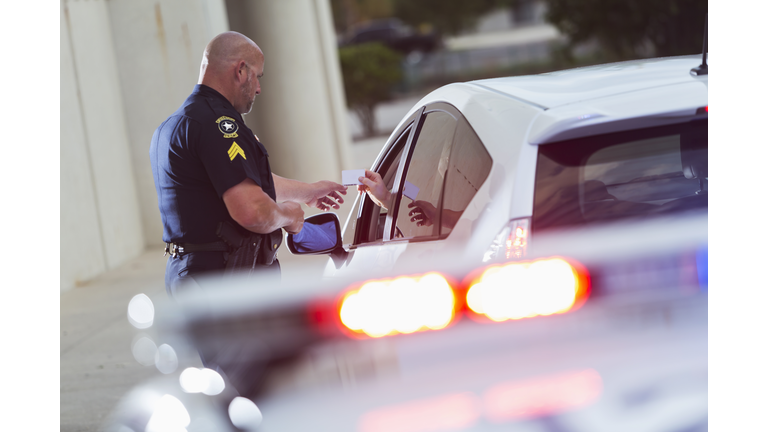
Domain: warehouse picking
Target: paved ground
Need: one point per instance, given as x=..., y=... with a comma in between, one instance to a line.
x=96, y=362
x=97, y=366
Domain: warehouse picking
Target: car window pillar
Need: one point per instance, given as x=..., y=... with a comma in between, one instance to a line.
x=405, y=158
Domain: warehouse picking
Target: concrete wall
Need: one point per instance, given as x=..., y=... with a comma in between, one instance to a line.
x=127, y=64
x=78, y=212
x=159, y=45
x=100, y=225
x=300, y=116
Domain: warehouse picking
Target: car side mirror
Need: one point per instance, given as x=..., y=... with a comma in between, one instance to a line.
x=321, y=234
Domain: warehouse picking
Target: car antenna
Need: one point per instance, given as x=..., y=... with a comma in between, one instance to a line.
x=702, y=68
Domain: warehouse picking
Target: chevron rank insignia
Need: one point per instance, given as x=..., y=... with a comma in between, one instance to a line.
x=234, y=151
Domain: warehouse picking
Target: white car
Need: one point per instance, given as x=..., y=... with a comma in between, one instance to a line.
x=507, y=159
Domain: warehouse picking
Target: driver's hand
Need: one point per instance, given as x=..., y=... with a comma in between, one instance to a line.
x=374, y=186
x=423, y=212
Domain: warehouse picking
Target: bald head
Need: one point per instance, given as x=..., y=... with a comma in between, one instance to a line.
x=232, y=64
x=228, y=48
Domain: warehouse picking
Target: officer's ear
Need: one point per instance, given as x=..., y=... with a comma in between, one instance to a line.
x=241, y=72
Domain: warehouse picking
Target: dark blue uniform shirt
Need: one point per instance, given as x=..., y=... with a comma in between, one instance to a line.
x=199, y=152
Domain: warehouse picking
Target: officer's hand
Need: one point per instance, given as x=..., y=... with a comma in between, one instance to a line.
x=295, y=214
x=325, y=194
x=374, y=185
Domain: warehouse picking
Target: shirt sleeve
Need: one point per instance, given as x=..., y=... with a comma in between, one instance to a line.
x=229, y=158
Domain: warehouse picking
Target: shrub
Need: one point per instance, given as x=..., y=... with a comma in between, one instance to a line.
x=369, y=70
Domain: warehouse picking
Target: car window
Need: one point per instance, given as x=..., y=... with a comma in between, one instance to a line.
x=388, y=176
x=623, y=175
x=368, y=226
x=425, y=176
x=468, y=168
x=445, y=168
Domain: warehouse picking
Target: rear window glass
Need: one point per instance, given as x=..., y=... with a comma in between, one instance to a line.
x=624, y=175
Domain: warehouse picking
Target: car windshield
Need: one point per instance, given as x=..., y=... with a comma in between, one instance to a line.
x=632, y=174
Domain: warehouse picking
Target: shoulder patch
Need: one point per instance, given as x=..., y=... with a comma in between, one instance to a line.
x=227, y=126
x=234, y=151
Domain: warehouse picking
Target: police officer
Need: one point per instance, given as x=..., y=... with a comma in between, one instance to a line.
x=214, y=185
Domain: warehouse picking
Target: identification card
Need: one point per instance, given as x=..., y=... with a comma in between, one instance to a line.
x=350, y=177
x=410, y=190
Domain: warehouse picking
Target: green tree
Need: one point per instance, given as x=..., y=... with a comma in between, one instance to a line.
x=627, y=29
x=347, y=13
x=369, y=72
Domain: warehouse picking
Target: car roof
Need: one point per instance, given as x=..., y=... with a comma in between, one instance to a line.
x=554, y=89
x=580, y=102
x=574, y=103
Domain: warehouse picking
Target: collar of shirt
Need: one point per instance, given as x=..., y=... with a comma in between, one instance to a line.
x=207, y=92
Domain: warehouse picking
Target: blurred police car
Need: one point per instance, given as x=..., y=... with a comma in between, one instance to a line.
x=605, y=331
x=492, y=164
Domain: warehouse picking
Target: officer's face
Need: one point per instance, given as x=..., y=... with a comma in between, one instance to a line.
x=251, y=87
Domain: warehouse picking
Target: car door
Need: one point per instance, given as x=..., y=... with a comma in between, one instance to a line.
x=433, y=168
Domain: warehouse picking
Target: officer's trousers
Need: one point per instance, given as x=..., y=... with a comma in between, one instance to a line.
x=234, y=360
x=181, y=268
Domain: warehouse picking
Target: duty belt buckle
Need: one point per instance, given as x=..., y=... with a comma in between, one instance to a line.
x=174, y=249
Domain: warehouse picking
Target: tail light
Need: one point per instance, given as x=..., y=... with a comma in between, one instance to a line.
x=510, y=243
x=400, y=305
x=527, y=289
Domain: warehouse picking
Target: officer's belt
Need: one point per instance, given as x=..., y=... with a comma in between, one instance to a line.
x=181, y=249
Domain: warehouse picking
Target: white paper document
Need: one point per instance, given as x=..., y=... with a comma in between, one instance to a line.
x=350, y=177
x=410, y=190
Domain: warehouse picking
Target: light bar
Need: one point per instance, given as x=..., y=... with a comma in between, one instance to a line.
x=402, y=305
x=528, y=289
